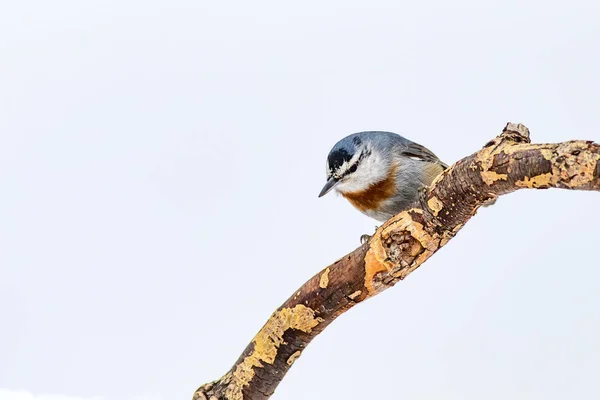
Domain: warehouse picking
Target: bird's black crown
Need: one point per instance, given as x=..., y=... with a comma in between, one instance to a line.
x=337, y=157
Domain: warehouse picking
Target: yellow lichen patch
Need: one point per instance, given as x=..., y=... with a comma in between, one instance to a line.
x=416, y=229
x=267, y=342
x=489, y=177
x=293, y=357
x=547, y=153
x=486, y=159
x=324, y=279
x=542, y=180
x=435, y=205
x=377, y=261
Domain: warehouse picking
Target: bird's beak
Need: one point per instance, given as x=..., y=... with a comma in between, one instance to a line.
x=331, y=183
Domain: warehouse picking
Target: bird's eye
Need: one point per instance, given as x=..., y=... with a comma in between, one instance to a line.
x=353, y=168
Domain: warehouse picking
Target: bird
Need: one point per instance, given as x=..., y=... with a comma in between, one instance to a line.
x=380, y=173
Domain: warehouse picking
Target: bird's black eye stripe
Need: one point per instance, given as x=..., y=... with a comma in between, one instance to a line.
x=364, y=154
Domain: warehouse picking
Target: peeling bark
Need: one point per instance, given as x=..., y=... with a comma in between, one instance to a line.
x=506, y=164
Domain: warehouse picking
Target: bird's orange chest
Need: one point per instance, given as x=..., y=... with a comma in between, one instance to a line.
x=372, y=197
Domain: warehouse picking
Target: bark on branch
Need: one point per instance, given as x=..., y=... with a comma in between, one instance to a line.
x=506, y=164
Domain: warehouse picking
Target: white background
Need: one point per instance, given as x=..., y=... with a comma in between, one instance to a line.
x=159, y=170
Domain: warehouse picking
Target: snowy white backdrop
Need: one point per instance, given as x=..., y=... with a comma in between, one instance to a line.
x=151, y=152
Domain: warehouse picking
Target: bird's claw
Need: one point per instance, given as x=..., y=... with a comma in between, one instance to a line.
x=489, y=202
x=364, y=238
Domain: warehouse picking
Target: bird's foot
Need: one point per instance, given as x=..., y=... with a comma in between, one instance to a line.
x=489, y=202
x=365, y=238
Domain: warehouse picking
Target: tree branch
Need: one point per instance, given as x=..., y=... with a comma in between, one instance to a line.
x=506, y=164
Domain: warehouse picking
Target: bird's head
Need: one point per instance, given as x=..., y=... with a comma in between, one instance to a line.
x=356, y=162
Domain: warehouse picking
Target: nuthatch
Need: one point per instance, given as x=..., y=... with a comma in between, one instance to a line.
x=380, y=173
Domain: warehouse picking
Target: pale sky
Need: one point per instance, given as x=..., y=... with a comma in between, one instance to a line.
x=160, y=164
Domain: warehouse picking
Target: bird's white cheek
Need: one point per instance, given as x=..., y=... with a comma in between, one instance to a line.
x=352, y=184
x=370, y=172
